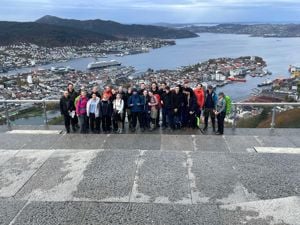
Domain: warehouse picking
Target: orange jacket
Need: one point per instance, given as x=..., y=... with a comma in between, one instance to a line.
x=199, y=93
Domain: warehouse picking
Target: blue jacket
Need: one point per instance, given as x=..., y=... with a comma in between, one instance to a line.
x=210, y=103
x=135, y=103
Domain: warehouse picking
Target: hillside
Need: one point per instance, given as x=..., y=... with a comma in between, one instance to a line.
x=257, y=30
x=112, y=28
x=47, y=35
x=287, y=119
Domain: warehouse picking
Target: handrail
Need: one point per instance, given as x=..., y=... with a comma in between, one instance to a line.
x=267, y=103
x=28, y=101
x=234, y=104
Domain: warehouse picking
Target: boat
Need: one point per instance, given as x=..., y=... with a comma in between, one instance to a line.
x=231, y=78
x=120, y=55
x=103, y=64
x=267, y=82
x=61, y=69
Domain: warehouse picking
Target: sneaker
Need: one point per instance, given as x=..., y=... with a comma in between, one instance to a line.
x=218, y=133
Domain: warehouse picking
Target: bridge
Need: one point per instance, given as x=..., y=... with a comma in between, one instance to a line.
x=247, y=176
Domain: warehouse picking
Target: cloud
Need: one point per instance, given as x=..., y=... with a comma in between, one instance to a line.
x=152, y=10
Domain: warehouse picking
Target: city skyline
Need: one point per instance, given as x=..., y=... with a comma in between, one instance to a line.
x=155, y=11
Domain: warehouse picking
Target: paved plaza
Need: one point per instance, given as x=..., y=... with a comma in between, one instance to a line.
x=251, y=176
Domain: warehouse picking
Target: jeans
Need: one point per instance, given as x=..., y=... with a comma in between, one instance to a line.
x=83, y=123
x=134, y=117
x=94, y=123
x=221, y=118
x=106, y=123
x=67, y=120
x=207, y=113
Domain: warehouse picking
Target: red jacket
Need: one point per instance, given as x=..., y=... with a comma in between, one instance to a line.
x=199, y=93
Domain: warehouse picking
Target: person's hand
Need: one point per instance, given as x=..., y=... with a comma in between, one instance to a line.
x=191, y=112
x=175, y=110
x=131, y=105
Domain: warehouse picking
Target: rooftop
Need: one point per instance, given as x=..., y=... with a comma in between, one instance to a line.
x=250, y=176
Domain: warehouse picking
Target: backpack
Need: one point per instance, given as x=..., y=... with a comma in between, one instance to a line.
x=159, y=100
x=228, y=104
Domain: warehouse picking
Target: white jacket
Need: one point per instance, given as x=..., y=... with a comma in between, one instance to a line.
x=97, y=108
x=118, y=105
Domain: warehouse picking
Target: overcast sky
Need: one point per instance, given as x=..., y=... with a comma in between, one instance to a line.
x=153, y=11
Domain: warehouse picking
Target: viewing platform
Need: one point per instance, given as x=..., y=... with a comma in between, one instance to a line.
x=249, y=176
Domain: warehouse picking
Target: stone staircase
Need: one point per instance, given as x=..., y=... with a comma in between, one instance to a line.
x=250, y=176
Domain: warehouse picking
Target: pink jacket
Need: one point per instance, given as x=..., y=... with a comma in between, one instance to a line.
x=81, y=106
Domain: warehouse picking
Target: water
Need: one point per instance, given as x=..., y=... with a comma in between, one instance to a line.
x=36, y=120
x=279, y=53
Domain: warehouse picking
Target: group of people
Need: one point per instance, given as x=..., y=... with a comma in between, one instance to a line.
x=179, y=107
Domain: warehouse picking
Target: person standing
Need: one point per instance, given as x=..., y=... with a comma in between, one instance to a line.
x=126, y=97
x=168, y=109
x=178, y=102
x=145, y=114
x=156, y=92
x=211, y=100
x=220, y=112
x=73, y=95
x=106, y=110
x=153, y=105
x=93, y=107
x=200, y=97
x=118, y=106
x=66, y=109
x=135, y=105
x=81, y=112
x=94, y=91
x=191, y=108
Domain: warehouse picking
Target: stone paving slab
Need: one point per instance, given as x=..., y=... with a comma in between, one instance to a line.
x=274, y=141
x=6, y=155
x=210, y=144
x=177, y=143
x=243, y=144
x=295, y=140
x=41, y=141
x=108, y=177
x=58, y=178
x=137, y=214
x=9, y=209
x=269, y=176
x=52, y=213
x=80, y=141
x=13, y=141
x=15, y=172
x=162, y=178
x=215, y=180
x=129, y=141
x=281, y=211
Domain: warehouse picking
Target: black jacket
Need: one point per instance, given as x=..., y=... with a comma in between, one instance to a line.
x=65, y=105
x=73, y=95
x=106, y=108
x=192, y=104
x=178, y=100
x=167, y=99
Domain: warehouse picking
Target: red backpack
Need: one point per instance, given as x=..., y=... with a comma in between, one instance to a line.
x=159, y=100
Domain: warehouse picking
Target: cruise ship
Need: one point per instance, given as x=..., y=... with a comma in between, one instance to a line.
x=103, y=64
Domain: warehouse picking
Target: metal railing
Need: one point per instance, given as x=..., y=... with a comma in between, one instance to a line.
x=270, y=104
x=43, y=102
x=234, y=110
